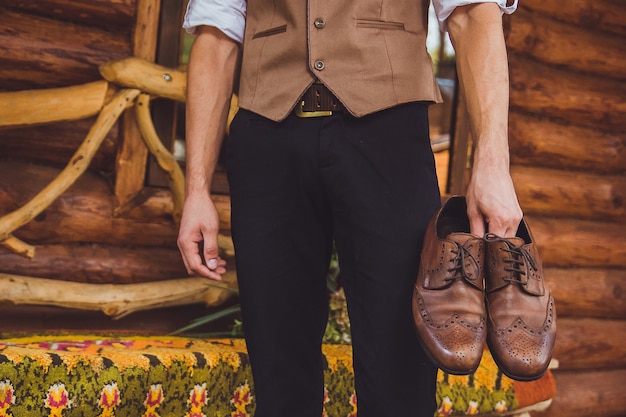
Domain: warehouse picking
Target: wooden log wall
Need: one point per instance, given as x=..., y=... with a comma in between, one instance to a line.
x=59, y=43
x=90, y=234
x=568, y=156
x=568, y=160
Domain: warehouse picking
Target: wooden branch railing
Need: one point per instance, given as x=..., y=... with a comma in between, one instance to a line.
x=129, y=83
x=44, y=106
x=32, y=107
x=74, y=169
x=114, y=300
x=165, y=159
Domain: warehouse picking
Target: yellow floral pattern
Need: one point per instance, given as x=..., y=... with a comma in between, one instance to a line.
x=130, y=376
x=7, y=397
x=109, y=399
x=57, y=400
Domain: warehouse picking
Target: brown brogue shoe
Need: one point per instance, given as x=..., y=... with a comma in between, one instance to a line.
x=522, y=316
x=448, y=300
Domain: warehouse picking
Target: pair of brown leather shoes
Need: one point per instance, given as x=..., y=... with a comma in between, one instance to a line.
x=473, y=291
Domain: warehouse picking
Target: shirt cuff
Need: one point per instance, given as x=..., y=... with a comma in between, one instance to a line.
x=444, y=8
x=227, y=16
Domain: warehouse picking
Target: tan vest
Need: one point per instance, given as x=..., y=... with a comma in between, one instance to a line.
x=370, y=53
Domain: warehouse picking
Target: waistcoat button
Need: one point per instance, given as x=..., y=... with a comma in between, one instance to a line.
x=319, y=65
x=319, y=23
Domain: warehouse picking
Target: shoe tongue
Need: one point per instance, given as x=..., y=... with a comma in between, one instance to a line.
x=460, y=238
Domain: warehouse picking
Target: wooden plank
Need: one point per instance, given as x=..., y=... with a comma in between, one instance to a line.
x=166, y=112
x=539, y=141
x=584, y=195
x=165, y=159
x=460, y=148
x=590, y=343
x=108, y=14
x=130, y=163
x=133, y=154
x=49, y=53
x=85, y=212
x=19, y=143
x=146, y=29
x=599, y=15
x=588, y=292
x=155, y=203
x=579, y=243
x=574, y=47
x=97, y=263
x=578, y=99
x=588, y=393
x=73, y=170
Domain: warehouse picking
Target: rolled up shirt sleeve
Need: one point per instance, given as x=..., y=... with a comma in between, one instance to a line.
x=444, y=8
x=229, y=16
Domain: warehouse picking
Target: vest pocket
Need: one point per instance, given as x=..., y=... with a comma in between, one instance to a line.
x=269, y=32
x=379, y=24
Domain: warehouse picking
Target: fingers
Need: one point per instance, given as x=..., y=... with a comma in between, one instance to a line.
x=477, y=223
x=505, y=221
x=197, y=238
x=502, y=223
x=501, y=217
x=200, y=255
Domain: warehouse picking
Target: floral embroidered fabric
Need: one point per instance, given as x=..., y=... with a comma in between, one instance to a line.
x=132, y=376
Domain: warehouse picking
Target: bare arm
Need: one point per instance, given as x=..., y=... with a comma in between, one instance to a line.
x=211, y=72
x=476, y=32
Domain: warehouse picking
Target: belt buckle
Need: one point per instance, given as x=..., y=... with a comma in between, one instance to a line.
x=305, y=114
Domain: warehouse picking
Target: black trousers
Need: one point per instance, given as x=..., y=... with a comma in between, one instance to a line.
x=370, y=185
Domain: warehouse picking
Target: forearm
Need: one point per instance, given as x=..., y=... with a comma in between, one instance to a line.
x=476, y=31
x=211, y=72
x=482, y=66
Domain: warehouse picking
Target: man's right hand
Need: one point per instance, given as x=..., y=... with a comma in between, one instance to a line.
x=197, y=238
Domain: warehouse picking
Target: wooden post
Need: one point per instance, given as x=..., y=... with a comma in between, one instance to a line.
x=133, y=154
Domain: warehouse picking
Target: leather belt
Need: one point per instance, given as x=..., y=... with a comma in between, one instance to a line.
x=318, y=101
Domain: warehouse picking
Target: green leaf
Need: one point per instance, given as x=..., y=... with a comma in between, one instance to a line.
x=209, y=318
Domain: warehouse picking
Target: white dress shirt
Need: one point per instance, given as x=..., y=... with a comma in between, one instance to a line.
x=229, y=16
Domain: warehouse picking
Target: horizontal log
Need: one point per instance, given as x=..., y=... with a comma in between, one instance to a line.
x=588, y=393
x=590, y=343
x=115, y=300
x=574, y=47
x=52, y=104
x=157, y=204
x=108, y=14
x=97, y=263
x=555, y=192
x=73, y=170
x=48, y=53
x=86, y=211
x=84, y=214
x=539, y=141
x=600, y=15
x=146, y=76
x=55, y=144
x=588, y=292
x=105, y=264
x=579, y=243
x=581, y=100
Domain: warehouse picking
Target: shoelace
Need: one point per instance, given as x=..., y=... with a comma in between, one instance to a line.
x=461, y=255
x=518, y=256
